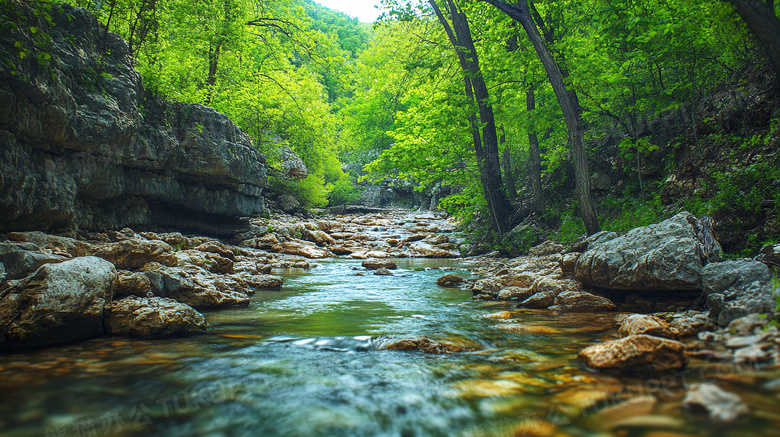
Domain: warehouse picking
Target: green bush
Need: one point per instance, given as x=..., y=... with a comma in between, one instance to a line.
x=343, y=191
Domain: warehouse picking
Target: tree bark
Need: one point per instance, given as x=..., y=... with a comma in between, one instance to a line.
x=486, y=141
x=763, y=23
x=509, y=173
x=535, y=161
x=521, y=13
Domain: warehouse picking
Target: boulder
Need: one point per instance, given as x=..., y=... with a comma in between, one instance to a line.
x=132, y=254
x=374, y=264
x=755, y=298
x=300, y=248
x=719, y=277
x=219, y=248
x=194, y=286
x=288, y=203
x=643, y=324
x=540, y=300
x=546, y=248
x=206, y=260
x=153, y=318
x=718, y=404
x=320, y=238
x=131, y=284
x=568, y=262
x=582, y=302
x=515, y=293
x=770, y=255
x=663, y=256
x=519, y=279
x=58, y=303
x=486, y=286
x=54, y=243
x=636, y=354
x=383, y=272
x=293, y=166
x=19, y=260
x=449, y=280
x=425, y=345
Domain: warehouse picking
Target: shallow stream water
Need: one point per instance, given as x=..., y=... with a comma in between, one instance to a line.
x=308, y=361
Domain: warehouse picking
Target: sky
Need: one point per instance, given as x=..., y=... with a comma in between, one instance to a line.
x=363, y=10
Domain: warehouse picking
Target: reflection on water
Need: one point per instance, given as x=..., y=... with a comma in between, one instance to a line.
x=309, y=361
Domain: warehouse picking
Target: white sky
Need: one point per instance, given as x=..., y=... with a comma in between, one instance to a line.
x=363, y=10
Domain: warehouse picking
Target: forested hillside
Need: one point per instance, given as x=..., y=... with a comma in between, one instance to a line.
x=575, y=116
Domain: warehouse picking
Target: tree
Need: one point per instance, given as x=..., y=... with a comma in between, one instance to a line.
x=763, y=23
x=521, y=12
x=476, y=90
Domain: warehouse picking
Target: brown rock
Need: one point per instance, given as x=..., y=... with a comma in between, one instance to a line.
x=582, y=302
x=374, y=264
x=540, y=300
x=133, y=253
x=54, y=243
x=153, y=318
x=413, y=238
x=522, y=279
x=638, y=324
x=218, y=248
x=546, y=248
x=425, y=345
x=637, y=353
x=212, y=262
x=131, y=284
x=515, y=293
x=300, y=248
x=569, y=261
x=449, y=280
x=341, y=250
x=320, y=238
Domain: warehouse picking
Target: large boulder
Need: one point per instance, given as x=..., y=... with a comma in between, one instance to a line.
x=134, y=253
x=770, y=255
x=719, y=277
x=153, y=318
x=131, y=284
x=19, y=260
x=664, y=256
x=737, y=288
x=58, y=303
x=195, y=287
x=636, y=354
x=644, y=324
x=54, y=243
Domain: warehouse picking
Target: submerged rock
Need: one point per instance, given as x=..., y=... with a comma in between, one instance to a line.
x=425, y=345
x=153, y=318
x=375, y=264
x=449, y=280
x=636, y=354
x=663, y=256
x=718, y=404
x=58, y=303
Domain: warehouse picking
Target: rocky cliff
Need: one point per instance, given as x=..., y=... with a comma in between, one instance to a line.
x=84, y=146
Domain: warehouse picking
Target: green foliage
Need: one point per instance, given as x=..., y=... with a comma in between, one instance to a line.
x=629, y=212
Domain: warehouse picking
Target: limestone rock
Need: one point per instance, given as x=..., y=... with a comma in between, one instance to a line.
x=719, y=277
x=663, y=256
x=449, y=280
x=770, y=255
x=718, y=404
x=540, y=300
x=515, y=293
x=546, y=248
x=756, y=298
x=374, y=264
x=195, y=287
x=320, y=238
x=133, y=254
x=636, y=354
x=21, y=260
x=300, y=248
x=639, y=324
x=218, y=248
x=486, y=286
x=292, y=165
x=59, y=303
x=56, y=244
x=569, y=261
x=131, y=284
x=153, y=318
x=212, y=262
x=582, y=302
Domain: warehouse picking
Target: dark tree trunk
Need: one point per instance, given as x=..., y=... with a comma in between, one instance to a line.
x=509, y=174
x=486, y=141
x=520, y=12
x=535, y=161
x=763, y=23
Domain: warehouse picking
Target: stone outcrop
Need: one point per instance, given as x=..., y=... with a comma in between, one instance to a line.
x=664, y=256
x=153, y=318
x=84, y=145
x=58, y=303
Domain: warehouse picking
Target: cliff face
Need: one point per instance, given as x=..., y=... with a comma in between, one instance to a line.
x=84, y=146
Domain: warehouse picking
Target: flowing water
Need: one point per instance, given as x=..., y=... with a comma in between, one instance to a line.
x=309, y=361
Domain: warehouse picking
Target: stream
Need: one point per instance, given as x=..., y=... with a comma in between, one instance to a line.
x=309, y=361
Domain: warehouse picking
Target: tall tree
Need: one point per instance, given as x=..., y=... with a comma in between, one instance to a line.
x=520, y=11
x=763, y=23
x=486, y=141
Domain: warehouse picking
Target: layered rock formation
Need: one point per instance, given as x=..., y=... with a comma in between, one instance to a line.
x=84, y=145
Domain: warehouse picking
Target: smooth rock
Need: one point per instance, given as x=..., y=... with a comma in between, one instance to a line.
x=718, y=404
x=719, y=277
x=383, y=272
x=540, y=300
x=639, y=324
x=582, y=302
x=664, y=256
x=59, y=303
x=153, y=318
x=374, y=264
x=636, y=354
x=449, y=280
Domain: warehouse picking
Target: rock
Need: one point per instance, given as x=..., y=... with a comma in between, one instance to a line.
x=413, y=238
x=374, y=264
x=540, y=300
x=569, y=261
x=133, y=254
x=383, y=272
x=593, y=240
x=193, y=286
x=719, y=277
x=745, y=326
x=58, y=303
x=449, y=280
x=521, y=279
x=300, y=248
x=770, y=255
x=546, y=248
x=740, y=342
x=293, y=166
x=718, y=404
x=131, y=284
x=3, y=274
x=736, y=302
x=425, y=345
x=528, y=329
x=206, y=260
x=498, y=315
x=218, y=248
x=18, y=261
x=176, y=240
x=754, y=353
x=664, y=256
x=582, y=302
x=636, y=354
x=689, y=323
x=515, y=293
x=643, y=324
x=288, y=203
x=104, y=157
x=486, y=286
x=153, y=318
x=61, y=245
x=320, y=238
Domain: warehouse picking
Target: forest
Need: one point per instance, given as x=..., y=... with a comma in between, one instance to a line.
x=576, y=116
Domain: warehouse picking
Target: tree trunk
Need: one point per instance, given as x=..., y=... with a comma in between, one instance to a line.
x=763, y=23
x=571, y=111
x=486, y=142
x=509, y=173
x=535, y=161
